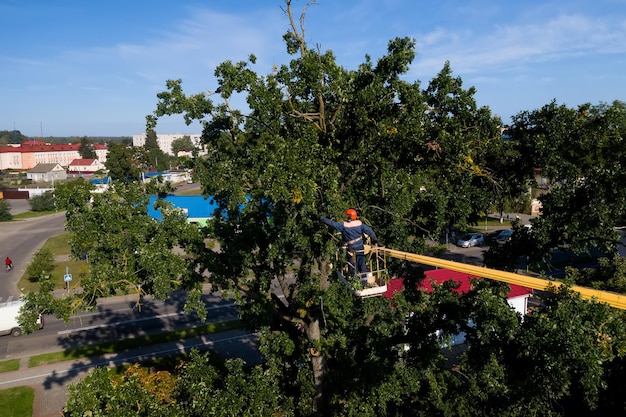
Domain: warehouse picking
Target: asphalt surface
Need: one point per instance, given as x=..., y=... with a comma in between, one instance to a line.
x=20, y=240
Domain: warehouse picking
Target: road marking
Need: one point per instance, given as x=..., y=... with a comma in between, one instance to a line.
x=119, y=323
x=9, y=299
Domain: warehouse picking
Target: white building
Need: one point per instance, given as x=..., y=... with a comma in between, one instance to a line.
x=165, y=140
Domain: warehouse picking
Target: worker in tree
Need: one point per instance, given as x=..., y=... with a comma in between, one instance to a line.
x=352, y=232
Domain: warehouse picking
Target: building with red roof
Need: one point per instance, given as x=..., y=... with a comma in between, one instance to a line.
x=85, y=166
x=517, y=296
x=27, y=155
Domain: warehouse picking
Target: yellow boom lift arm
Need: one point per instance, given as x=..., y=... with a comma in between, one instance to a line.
x=613, y=299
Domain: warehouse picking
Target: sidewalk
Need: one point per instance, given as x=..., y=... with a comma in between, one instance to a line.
x=50, y=381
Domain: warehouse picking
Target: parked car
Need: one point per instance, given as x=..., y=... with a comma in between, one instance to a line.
x=471, y=239
x=500, y=236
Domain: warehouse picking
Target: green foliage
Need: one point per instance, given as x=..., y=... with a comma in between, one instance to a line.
x=580, y=151
x=151, y=142
x=42, y=303
x=202, y=387
x=5, y=211
x=320, y=138
x=134, y=252
x=157, y=186
x=124, y=163
x=12, y=136
x=136, y=393
x=561, y=355
x=183, y=144
x=154, y=157
x=41, y=265
x=43, y=202
x=86, y=149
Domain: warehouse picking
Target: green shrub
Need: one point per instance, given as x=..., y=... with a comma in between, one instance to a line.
x=5, y=211
x=42, y=264
x=43, y=202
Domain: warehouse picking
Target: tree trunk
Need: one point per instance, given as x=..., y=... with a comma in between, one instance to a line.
x=318, y=363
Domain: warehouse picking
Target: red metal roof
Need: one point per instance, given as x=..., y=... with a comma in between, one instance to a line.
x=82, y=161
x=43, y=147
x=439, y=276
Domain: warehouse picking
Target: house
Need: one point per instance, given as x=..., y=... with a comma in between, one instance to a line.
x=46, y=173
x=85, y=166
x=517, y=298
x=198, y=209
x=164, y=140
x=101, y=184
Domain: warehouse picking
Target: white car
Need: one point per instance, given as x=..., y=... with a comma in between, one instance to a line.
x=471, y=239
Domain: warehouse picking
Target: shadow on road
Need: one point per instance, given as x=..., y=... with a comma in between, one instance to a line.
x=113, y=323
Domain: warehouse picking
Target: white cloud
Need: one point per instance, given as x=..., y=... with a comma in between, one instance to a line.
x=508, y=46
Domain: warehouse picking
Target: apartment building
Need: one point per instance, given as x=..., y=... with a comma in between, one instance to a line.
x=164, y=140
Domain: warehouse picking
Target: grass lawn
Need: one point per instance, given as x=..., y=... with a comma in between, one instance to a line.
x=58, y=246
x=194, y=191
x=10, y=365
x=31, y=214
x=17, y=402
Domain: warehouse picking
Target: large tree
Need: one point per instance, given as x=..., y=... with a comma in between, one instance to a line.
x=154, y=157
x=133, y=253
x=581, y=152
x=183, y=144
x=125, y=163
x=86, y=149
x=319, y=138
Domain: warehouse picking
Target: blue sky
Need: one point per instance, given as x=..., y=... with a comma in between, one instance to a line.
x=93, y=68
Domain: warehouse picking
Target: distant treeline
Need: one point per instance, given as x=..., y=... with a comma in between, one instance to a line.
x=15, y=136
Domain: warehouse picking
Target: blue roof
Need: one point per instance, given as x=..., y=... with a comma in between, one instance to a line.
x=154, y=174
x=197, y=206
x=97, y=181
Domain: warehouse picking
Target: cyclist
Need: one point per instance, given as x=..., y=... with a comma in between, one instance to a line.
x=8, y=263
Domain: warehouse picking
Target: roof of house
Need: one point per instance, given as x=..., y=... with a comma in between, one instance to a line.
x=43, y=168
x=35, y=146
x=197, y=206
x=83, y=161
x=439, y=276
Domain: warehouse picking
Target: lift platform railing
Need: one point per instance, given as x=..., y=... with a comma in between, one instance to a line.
x=613, y=299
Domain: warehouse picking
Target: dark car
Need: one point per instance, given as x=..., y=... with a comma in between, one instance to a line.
x=499, y=236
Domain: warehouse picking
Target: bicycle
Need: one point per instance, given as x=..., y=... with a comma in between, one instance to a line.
x=9, y=267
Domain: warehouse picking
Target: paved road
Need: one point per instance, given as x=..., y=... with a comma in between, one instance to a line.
x=20, y=240
x=114, y=319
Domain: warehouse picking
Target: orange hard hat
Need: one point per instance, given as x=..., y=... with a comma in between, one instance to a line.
x=351, y=214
